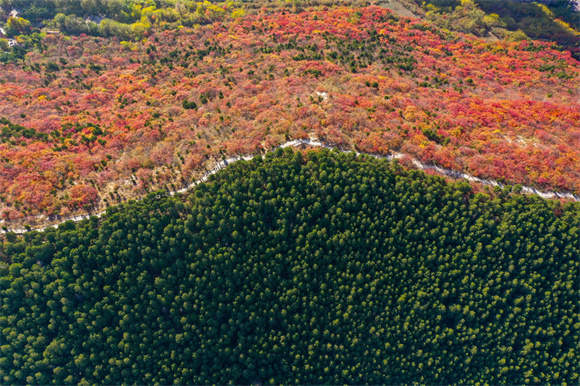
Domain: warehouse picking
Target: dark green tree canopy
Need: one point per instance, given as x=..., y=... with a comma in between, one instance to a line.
x=299, y=268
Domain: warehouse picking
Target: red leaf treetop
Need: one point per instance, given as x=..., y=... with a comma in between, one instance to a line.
x=89, y=121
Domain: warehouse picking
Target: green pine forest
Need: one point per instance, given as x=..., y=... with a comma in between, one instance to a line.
x=300, y=267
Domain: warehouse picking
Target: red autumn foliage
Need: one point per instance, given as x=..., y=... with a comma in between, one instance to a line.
x=112, y=122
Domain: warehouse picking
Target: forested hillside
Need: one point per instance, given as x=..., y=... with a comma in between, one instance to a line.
x=88, y=121
x=556, y=20
x=299, y=268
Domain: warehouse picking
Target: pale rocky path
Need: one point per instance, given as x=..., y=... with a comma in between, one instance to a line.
x=314, y=143
x=398, y=7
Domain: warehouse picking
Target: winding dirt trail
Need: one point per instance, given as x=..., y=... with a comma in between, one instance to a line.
x=317, y=143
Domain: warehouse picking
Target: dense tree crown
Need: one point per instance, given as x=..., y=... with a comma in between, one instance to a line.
x=299, y=268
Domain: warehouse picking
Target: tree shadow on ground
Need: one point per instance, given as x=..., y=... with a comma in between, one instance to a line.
x=536, y=22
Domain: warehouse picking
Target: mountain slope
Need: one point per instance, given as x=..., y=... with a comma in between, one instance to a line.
x=316, y=268
x=90, y=121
